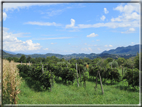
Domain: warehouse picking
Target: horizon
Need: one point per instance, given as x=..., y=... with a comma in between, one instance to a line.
x=67, y=28
x=68, y=54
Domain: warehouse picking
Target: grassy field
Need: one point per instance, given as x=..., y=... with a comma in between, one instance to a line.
x=71, y=94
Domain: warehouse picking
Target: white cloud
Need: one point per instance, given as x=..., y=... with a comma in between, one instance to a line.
x=11, y=43
x=4, y=16
x=53, y=12
x=52, y=38
x=127, y=18
x=131, y=30
x=46, y=49
x=86, y=49
x=99, y=49
x=92, y=35
x=12, y=6
x=72, y=24
x=97, y=40
x=109, y=24
x=128, y=8
x=106, y=11
x=43, y=23
x=90, y=49
x=129, y=12
x=132, y=42
x=108, y=46
x=53, y=43
x=103, y=18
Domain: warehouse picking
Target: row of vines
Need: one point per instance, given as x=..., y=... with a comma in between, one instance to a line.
x=46, y=74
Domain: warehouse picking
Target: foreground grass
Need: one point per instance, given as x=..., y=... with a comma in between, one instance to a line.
x=71, y=94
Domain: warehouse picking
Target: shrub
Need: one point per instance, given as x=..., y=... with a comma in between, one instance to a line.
x=114, y=64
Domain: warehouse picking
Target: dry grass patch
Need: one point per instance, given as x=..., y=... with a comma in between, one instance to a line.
x=11, y=82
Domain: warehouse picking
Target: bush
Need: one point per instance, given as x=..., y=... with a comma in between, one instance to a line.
x=132, y=77
x=114, y=64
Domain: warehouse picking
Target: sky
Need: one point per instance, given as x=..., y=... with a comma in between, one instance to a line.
x=67, y=28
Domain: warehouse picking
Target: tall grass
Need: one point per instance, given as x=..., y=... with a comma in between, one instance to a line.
x=11, y=82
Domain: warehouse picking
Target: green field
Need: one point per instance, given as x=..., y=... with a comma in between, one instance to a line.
x=118, y=93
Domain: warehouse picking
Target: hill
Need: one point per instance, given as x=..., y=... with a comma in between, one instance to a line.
x=125, y=52
x=129, y=50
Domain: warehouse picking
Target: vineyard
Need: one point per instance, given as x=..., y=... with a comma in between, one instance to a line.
x=93, y=79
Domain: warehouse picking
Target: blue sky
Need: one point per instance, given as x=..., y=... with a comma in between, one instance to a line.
x=67, y=28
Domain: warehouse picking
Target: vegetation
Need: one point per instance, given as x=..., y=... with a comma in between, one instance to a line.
x=11, y=83
x=45, y=75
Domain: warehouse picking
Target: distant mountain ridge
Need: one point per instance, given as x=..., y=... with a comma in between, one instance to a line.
x=133, y=50
x=125, y=52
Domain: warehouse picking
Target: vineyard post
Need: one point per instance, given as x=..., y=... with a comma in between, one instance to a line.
x=101, y=82
x=47, y=66
x=42, y=69
x=84, y=80
x=21, y=62
x=96, y=81
x=122, y=70
x=80, y=76
x=77, y=75
x=132, y=75
x=50, y=81
x=29, y=63
x=111, y=76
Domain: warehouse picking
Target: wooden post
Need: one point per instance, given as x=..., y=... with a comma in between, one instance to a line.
x=84, y=80
x=42, y=69
x=47, y=66
x=122, y=70
x=50, y=81
x=77, y=75
x=96, y=81
x=21, y=62
x=80, y=76
x=29, y=63
x=132, y=76
x=101, y=83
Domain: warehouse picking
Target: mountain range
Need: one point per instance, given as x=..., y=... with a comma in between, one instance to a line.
x=125, y=52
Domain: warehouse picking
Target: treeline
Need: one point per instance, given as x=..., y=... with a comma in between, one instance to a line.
x=120, y=62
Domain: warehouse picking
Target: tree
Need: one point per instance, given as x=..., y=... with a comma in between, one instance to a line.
x=32, y=60
x=9, y=59
x=79, y=61
x=136, y=61
x=96, y=60
x=16, y=59
x=109, y=60
x=87, y=60
x=121, y=61
x=22, y=59
x=29, y=59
